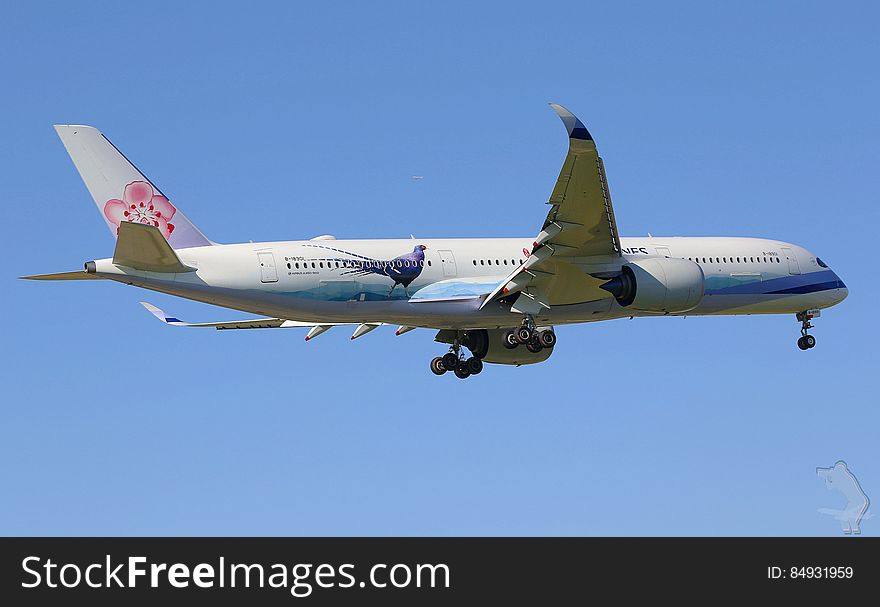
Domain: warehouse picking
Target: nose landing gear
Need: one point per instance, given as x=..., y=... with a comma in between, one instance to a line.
x=806, y=341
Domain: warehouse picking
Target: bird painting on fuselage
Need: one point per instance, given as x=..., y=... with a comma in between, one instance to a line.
x=403, y=270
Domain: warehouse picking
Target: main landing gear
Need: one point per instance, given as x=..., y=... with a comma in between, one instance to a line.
x=806, y=341
x=455, y=361
x=529, y=336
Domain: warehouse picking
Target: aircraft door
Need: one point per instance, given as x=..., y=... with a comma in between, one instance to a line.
x=793, y=266
x=268, y=272
x=447, y=260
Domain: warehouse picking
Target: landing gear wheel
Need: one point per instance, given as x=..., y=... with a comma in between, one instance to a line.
x=437, y=366
x=806, y=340
x=547, y=338
x=534, y=347
x=461, y=371
x=523, y=335
x=474, y=365
x=450, y=361
x=510, y=340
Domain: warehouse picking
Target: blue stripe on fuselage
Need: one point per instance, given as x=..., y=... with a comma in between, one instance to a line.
x=785, y=285
x=811, y=288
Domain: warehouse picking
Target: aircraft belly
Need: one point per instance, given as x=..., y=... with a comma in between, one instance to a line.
x=764, y=303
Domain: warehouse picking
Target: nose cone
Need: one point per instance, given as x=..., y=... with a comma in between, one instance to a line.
x=842, y=291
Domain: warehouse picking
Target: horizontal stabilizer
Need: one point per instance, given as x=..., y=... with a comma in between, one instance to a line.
x=75, y=275
x=143, y=247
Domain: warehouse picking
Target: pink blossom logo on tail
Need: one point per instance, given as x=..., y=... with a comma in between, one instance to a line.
x=140, y=205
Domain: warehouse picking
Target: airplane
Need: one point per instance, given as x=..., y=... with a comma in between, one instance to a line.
x=498, y=298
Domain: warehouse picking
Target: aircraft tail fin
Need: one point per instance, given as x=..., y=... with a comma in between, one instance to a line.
x=121, y=192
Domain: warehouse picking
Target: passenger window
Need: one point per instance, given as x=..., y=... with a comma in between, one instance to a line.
x=475, y=262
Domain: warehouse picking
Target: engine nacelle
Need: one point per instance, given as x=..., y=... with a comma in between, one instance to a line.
x=663, y=285
x=488, y=344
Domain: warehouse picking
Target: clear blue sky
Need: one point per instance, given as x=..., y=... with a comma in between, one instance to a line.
x=284, y=121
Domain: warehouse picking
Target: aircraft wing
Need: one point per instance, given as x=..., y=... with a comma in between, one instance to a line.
x=260, y=323
x=315, y=329
x=580, y=224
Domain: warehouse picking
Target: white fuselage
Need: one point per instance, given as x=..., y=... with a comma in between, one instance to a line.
x=328, y=280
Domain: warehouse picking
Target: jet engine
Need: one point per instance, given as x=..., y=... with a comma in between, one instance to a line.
x=663, y=285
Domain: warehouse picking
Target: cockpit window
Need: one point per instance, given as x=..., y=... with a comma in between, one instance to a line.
x=821, y=263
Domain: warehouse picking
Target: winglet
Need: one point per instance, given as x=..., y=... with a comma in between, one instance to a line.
x=160, y=314
x=575, y=128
